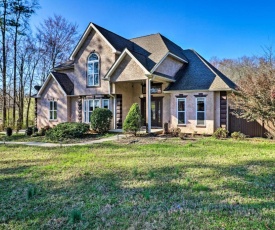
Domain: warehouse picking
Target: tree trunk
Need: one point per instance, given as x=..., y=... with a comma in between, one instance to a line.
x=4, y=59
x=14, y=74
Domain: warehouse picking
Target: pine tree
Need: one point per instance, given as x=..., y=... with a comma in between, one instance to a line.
x=132, y=122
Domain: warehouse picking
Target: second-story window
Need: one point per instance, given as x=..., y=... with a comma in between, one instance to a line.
x=93, y=70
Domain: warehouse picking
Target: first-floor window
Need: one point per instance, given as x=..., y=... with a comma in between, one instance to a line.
x=105, y=103
x=201, y=111
x=91, y=104
x=53, y=110
x=181, y=110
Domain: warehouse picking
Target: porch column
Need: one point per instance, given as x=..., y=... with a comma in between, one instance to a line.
x=148, y=103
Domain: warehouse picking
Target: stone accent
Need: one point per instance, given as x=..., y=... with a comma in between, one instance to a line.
x=35, y=112
x=79, y=108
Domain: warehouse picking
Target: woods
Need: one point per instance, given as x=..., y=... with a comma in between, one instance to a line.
x=27, y=56
x=254, y=98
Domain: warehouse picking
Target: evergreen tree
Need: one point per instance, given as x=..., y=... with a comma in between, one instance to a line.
x=132, y=122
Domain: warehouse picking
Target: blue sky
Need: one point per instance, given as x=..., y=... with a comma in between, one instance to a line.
x=226, y=29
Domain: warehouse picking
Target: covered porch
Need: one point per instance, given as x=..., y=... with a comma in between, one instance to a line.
x=150, y=97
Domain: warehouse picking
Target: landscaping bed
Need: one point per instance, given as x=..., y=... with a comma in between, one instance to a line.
x=21, y=137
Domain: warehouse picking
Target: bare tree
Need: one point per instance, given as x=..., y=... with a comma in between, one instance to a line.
x=21, y=10
x=3, y=25
x=59, y=37
x=255, y=77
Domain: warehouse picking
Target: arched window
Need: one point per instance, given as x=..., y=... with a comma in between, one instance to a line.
x=93, y=70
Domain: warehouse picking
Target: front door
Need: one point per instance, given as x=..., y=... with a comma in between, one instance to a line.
x=156, y=111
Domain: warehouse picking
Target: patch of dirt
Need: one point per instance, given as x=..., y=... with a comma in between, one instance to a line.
x=152, y=139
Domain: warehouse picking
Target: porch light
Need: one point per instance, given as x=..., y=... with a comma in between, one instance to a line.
x=141, y=96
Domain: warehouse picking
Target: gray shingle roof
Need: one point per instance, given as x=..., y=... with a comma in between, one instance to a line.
x=65, y=65
x=65, y=82
x=117, y=41
x=156, y=47
x=149, y=50
x=198, y=74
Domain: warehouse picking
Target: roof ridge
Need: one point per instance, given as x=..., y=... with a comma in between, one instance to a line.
x=144, y=36
x=215, y=70
x=162, y=36
x=204, y=61
x=110, y=31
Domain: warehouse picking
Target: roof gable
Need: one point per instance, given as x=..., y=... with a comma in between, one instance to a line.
x=138, y=58
x=198, y=74
x=158, y=47
x=91, y=27
x=63, y=81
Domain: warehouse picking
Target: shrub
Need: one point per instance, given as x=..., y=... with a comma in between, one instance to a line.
x=101, y=120
x=35, y=135
x=269, y=135
x=132, y=123
x=220, y=133
x=67, y=130
x=8, y=131
x=29, y=131
x=238, y=136
x=35, y=129
x=42, y=132
x=175, y=132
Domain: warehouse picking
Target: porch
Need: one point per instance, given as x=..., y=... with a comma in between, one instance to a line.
x=154, y=104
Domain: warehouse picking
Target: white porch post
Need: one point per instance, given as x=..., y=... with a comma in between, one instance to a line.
x=148, y=103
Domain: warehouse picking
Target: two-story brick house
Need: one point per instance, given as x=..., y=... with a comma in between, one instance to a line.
x=106, y=70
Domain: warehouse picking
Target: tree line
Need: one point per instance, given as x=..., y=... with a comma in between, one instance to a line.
x=27, y=55
x=254, y=97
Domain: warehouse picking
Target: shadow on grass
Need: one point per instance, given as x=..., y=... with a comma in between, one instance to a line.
x=156, y=197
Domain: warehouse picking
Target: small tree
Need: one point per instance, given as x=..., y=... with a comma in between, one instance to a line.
x=101, y=120
x=132, y=122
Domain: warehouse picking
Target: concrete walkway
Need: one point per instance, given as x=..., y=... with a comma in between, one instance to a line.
x=42, y=144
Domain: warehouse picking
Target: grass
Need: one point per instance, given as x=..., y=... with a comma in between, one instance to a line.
x=20, y=137
x=210, y=184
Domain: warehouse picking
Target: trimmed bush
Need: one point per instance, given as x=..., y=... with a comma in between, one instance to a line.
x=35, y=129
x=132, y=123
x=238, y=136
x=101, y=120
x=175, y=132
x=67, y=130
x=42, y=132
x=220, y=133
x=29, y=131
x=8, y=131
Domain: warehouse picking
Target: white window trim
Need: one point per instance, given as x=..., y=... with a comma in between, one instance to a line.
x=181, y=99
x=52, y=111
x=88, y=62
x=102, y=104
x=85, y=109
x=204, y=124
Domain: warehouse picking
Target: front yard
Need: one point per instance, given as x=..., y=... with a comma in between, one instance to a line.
x=167, y=184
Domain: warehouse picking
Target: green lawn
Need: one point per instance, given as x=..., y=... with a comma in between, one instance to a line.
x=204, y=184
